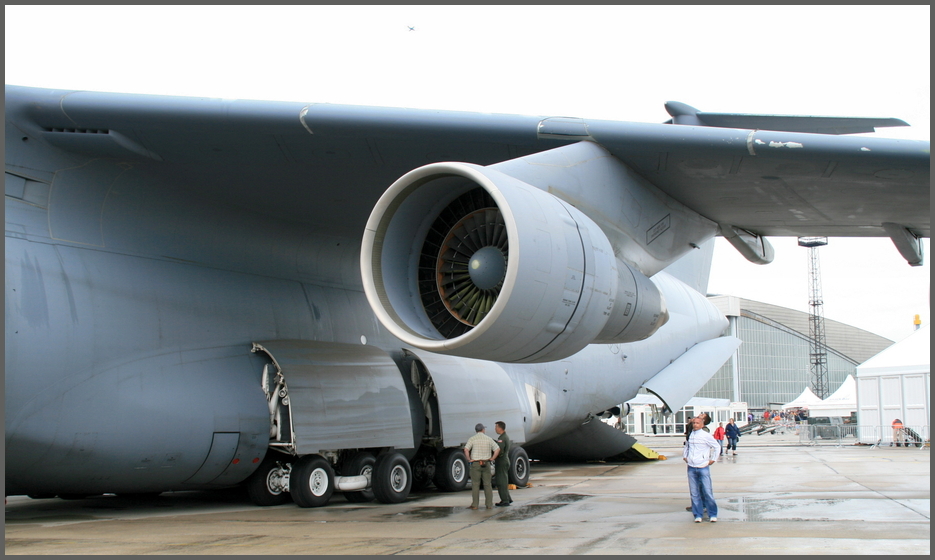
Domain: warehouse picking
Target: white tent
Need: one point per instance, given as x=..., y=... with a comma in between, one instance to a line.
x=895, y=384
x=805, y=400
x=842, y=402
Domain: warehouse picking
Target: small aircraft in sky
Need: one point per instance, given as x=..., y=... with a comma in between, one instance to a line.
x=309, y=298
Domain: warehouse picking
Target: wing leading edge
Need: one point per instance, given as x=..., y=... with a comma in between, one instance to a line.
x=766, y=183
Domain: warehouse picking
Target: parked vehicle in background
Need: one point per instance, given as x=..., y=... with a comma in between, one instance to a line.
x=830, y=427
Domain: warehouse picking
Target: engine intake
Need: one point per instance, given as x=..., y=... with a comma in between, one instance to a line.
x=465, y=260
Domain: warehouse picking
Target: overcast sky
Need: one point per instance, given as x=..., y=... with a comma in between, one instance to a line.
x=605, y=62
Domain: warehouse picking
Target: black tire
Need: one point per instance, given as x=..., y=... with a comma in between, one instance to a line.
x=519, y=467
x=451, y=471
x=264, y=486
x=392, y=478
x=312, y=481
x=362, y=463
x=423, y=469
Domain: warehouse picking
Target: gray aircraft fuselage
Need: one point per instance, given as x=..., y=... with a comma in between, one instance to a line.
x=152, y=241
x=134, y=290
x=126, y=356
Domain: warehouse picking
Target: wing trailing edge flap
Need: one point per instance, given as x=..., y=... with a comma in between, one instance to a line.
x=679, y=381
x=688, y=115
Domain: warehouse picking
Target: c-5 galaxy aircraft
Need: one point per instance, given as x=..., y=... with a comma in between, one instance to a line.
x=309, y=298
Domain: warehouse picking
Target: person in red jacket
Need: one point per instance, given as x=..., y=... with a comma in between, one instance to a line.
x=899, y=436
x=719, y=435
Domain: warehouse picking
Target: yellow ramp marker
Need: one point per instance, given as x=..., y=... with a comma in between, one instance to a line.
x=646, y=452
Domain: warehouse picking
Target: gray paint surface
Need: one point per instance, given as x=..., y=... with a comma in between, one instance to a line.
x=471, y=391
x=150, y=240
x=342, y=396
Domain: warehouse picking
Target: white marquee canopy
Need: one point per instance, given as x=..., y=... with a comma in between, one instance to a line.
x=805, y=400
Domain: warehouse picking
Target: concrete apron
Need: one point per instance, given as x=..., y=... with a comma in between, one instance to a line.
x=773, y=496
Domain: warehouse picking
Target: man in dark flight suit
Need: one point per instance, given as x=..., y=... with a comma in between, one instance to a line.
x=503, y=464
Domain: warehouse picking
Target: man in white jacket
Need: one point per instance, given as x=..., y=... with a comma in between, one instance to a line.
x=701, y=450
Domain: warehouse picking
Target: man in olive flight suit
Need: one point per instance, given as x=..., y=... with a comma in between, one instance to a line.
x=503, y=464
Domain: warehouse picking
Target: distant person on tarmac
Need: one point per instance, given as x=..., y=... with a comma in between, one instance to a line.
x=899, y=435
x=705, y=419
x=733, y=434
x=719, y=435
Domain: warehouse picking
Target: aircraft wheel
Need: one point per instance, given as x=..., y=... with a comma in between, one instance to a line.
x=451, y=470
x=392, y=478
x=362, y=463
x=265, y=486
x=423, y=470
x=312, y=481
x=519, y=467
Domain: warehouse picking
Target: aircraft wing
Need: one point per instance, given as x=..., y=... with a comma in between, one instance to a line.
x=260, y=154
x=782, y=183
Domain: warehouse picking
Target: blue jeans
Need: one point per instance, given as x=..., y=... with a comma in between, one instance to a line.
x=699, y=485
x=732, y=443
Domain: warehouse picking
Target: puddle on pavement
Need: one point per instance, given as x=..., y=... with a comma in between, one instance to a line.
x=533, y=510
x=565, y=498
x=527, y=512
x=759, y=509
x=428, y=512
x=513, y=513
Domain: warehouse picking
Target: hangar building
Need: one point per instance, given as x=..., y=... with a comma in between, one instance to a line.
x=772, y=366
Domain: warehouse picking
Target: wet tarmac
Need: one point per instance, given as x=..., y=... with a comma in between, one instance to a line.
x=774, y=496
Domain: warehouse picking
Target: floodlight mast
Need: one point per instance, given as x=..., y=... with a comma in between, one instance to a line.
x=816, y=323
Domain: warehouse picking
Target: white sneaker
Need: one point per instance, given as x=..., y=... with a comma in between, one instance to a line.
x=697, y=520
x=714, y=520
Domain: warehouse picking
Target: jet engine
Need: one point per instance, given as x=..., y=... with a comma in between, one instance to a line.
x=466, y=260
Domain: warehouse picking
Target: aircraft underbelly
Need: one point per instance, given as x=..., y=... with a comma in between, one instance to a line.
x=175, y=420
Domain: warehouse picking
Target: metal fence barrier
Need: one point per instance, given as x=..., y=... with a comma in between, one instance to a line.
x=852, y=434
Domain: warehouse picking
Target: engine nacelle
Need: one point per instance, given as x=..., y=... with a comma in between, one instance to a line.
x=465, y=260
